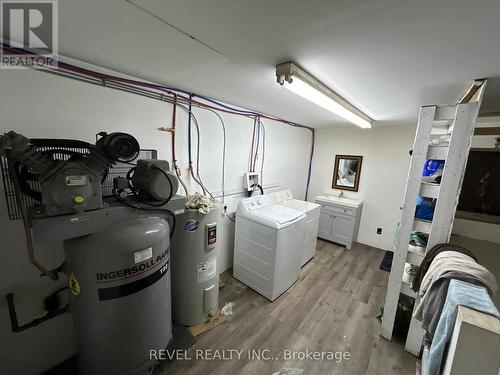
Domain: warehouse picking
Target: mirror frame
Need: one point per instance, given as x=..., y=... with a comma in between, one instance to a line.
x=358, y=172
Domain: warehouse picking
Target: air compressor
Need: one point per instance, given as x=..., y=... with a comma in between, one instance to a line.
x=117, y=250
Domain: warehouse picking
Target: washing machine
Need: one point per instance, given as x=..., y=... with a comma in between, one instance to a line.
x=268, y=245
x=312, y=211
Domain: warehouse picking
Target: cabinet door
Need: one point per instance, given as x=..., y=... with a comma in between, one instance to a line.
x=325, y=225
x=342, y=229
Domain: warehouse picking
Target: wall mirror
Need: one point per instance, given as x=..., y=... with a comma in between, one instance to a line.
x=346, y=173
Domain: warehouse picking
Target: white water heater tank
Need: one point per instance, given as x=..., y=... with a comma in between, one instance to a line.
x=195, y=271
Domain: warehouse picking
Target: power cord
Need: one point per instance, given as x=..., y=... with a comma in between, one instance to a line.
x=228, y=216
x=255, y=187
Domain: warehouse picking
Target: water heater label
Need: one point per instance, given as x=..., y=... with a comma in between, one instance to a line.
x=207, y=270
x=141, y=256
x=191, y=225
x=211, y=235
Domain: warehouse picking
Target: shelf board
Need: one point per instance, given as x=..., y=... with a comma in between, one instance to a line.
x=415, y=255
x=429, y=190
x=423, y=226
x=445, y=113
x=437, y=152
x=406, y=290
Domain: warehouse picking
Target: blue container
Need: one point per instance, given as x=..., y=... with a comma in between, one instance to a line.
x=431, y=166
x=425, y=208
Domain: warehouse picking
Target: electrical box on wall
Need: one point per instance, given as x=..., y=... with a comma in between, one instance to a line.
x=251, y=180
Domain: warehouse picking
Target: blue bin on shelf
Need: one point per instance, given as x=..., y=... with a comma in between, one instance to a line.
x=425, y=208
x=431, y=166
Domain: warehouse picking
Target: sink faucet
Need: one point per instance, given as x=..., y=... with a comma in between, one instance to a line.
x=341, y=195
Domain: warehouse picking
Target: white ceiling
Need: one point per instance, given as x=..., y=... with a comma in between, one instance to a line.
x=387, y=57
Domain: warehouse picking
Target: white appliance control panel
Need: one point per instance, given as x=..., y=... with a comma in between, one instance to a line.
x=254, y=203
x=281, y=196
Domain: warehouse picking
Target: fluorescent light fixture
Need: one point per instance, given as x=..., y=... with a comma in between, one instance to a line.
x=297, y=80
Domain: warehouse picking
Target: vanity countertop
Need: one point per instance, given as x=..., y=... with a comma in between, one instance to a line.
x=344, y=201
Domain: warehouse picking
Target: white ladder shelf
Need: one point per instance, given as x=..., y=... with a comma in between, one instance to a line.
x=459, y=122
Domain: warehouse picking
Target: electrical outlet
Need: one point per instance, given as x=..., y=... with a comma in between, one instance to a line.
x=379, y=230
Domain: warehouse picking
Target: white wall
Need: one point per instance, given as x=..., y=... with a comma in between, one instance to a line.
x=41, y=105
x=382, y=180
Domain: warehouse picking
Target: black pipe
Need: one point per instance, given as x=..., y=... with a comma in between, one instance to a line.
x=13, y=316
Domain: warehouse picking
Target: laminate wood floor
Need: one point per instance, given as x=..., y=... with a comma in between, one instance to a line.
x=333, y=307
